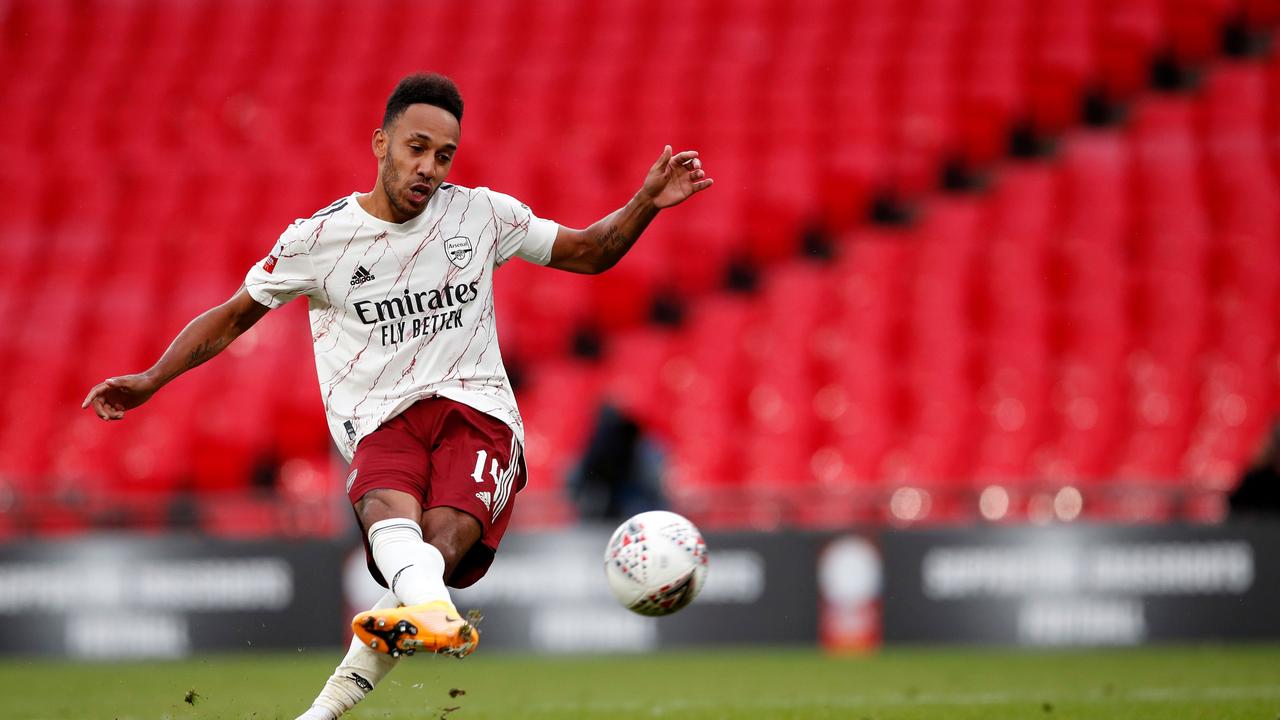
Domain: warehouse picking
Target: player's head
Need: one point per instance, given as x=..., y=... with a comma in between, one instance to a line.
x=415, y=146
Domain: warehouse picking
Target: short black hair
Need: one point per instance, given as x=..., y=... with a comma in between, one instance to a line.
x=425, y=88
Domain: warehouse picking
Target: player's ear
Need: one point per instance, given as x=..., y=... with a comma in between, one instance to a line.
x=380, y=141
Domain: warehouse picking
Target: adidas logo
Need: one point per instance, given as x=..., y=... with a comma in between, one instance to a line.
x=487, y=498
x=361, y=276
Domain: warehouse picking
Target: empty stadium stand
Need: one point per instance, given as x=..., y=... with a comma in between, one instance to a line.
x=1014, y=259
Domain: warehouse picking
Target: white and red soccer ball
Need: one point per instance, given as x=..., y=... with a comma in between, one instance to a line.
x=656, y=563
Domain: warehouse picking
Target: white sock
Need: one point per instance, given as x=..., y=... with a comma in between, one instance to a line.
x=355, y=677
x=413, y=569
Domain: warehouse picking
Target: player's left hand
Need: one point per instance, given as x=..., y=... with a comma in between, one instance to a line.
x=673, y=178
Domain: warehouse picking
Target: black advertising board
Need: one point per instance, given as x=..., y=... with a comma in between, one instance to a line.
x=113, y=596
x=1081, y=584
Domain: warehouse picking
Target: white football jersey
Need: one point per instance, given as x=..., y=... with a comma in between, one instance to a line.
x=403, y=312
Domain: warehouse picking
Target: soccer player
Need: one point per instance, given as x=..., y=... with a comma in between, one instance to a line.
x=399, y=282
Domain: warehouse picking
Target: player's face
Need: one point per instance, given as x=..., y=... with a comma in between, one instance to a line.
x=415, y=156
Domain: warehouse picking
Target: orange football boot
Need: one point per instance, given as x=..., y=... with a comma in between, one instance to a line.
x=435, y=627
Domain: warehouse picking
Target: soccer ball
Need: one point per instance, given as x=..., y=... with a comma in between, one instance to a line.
x=656, y=563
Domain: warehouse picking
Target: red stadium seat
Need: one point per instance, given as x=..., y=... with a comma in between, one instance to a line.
x=1130, y=33
x=1062, y=65
x=1195, y=27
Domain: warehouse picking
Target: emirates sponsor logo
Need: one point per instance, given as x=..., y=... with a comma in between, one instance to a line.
x=410, y=315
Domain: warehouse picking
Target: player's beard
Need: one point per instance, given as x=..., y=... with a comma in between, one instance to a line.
x=396, y=192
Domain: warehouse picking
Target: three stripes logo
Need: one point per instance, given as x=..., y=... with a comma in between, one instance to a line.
x=361, y=276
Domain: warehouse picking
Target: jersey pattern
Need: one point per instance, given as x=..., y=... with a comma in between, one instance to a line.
x=400, y=312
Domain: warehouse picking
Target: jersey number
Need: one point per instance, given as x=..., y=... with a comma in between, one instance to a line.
x=494, y=471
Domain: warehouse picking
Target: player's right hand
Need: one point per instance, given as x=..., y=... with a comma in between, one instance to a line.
x=113, y=396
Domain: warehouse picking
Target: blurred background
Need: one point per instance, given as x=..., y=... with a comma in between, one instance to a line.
x=979, y=323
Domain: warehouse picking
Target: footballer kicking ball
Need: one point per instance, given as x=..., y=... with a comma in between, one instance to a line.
x=656, y=563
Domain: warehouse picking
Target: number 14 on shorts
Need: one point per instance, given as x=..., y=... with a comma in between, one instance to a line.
x=502, y=478
x=494, y=470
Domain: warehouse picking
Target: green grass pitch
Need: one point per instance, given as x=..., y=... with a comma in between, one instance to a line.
x=1215, y=683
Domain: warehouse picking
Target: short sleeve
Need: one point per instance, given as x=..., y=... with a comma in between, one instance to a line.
x=521, y=233
x=284, y=274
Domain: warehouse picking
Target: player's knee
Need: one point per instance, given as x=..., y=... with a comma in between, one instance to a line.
x=377, y=505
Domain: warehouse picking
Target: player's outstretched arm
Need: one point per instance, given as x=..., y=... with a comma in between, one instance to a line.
x=672, y=180
x=200, y=340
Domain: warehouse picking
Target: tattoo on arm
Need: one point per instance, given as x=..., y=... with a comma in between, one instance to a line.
x=204, y=351
x=616, y=233
x=614, y=243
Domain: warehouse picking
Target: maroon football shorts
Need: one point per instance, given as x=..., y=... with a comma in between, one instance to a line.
x=445, y=454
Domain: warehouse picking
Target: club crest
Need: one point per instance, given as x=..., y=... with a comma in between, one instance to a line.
x=458, y=249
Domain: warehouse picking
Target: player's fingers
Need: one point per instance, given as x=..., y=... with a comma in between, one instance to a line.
x=664, y=157
x=100, y=409
x=685, y=156
x=703, y=185
x=697, y=175
x=93, y=394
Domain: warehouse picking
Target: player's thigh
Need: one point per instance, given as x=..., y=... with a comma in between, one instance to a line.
x=388, y=477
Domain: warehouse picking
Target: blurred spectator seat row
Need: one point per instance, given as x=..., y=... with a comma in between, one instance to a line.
x=153, y=149
x=1105, y=322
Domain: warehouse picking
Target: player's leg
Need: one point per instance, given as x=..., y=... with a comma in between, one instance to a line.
x=451, y=531
x=413, y=566
x=416, y=568
x=389, y=489
x=354, y=678
x=475, y=471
